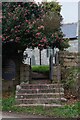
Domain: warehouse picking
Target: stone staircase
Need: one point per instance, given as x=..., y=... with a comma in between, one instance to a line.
x=49, y=95
x=39, y=76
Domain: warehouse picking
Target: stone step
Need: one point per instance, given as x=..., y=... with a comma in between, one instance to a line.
x=39, y=101
x=40, y=81
x=40, y=86
x=39, y=95
x=43, y=105
x=41, y=90
x=36, y=75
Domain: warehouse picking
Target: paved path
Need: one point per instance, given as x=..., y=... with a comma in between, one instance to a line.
x=17, y=115
x=7, y=115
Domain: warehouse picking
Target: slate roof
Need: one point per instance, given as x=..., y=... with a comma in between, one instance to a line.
x=70, y=30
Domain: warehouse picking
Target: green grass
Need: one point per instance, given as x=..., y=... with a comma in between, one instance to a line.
x=42, y=69
x=68, y=111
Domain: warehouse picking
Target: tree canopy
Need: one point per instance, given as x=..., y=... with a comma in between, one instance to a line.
x=32, y=25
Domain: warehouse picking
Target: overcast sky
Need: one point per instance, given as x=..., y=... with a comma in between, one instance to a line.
x=69, y=10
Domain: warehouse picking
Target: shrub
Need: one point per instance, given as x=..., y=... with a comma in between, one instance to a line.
x=70, y=80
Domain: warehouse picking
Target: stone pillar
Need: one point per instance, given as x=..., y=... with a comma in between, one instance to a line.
x=56, y=69
x=25, y=73
x=56, y=73
x=17, y=76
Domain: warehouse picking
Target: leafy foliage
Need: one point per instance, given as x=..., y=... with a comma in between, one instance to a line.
x=70, y=80
x=20, y=19
x=32, y=25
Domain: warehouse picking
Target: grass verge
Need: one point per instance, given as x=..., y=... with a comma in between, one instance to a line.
x=68, y=111
x=40, y=69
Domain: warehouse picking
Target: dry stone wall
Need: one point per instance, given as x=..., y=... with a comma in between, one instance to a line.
x=69, y=59
x=23, y=74
x=70, y=71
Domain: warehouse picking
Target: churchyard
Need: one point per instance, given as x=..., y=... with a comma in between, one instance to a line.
x=51, y=90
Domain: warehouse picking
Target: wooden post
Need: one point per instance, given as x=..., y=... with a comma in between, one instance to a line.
x=40, y=55
x=57, y=63
x=51, y=67
x=30, y=63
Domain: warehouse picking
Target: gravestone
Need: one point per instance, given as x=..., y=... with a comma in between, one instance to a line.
x=33, y=62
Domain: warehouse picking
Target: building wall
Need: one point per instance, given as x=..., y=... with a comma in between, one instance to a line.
x=73, y=46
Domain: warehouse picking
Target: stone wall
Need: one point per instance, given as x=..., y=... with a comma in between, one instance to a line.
x=69, y=59
x=70, y=71
x=23, y=74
